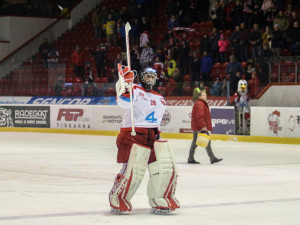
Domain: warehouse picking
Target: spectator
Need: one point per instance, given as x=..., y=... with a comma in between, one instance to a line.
x=144, y=25
x=144, y=38
x=173, y=22
x=223, y=48
x=213, y=12
x=237, y=13
x=96, y=22
x=206, y=65
x=99, y=56
x=248, y=71
x=294, y=37
x=205, y=44
x=266, y=52
x=138, y=12
x=114, y=14
x=198, y=89
x=257, y=16
x=159, y=67
x=170, y=65
x=195, y=67
x=110, y=29
x=183, y=52
x=270, y=15
x=247, y=12
x=124, y=14
x=288, y=11
x=78, y=62
x=283, y=25
x=224, y=87
x=229, y=9
x=234, y=82
x=243, y=36
x=119, y=60
x=44, y=50
x=215, y=36
x=221, y=15
x=294, y=18
x=232, y=68
x=276, y=41
x=255, y=41
x=266, y=34
x=88, y=86
x=235, y=42
x=135, y=58
x=216, y=88
x=53, y=58
x=253, y=85
x=89, y=76
x=102, y=21
x=122, y=35
x=146, y=56
x=135, y=31
x=58, y=86
x=171, y=47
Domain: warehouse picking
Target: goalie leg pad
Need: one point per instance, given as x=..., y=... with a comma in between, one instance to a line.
x=129, y=178
x=163, y=178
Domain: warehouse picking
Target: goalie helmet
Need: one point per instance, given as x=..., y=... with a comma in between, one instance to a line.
x=148, y=78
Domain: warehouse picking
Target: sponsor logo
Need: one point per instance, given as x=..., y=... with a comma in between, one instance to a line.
x=61, y=101
x=293, y=122
x=166, y=118
x=189, y=120
x=112, y=119
x=73, y=119
x=31, y=116
x=274, y=122
x=210, y=102
x=6, y=118
x=222, y=121
x=185, y=130
x=69, y=114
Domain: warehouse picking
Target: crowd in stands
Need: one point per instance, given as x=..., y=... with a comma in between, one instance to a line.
x=244, y=30
x=186, y=42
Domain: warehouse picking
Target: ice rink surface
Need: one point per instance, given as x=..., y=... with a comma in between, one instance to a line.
x=59, y=179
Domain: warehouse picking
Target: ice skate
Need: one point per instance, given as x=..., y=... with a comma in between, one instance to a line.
x=160, y=211
x=118, y=212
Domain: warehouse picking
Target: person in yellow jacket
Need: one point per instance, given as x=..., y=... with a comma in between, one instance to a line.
x=170, y=65
x=110, y=29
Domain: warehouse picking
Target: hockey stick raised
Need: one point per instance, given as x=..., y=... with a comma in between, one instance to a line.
x=127, y=29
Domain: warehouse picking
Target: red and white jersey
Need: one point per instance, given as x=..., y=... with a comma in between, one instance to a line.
x=148, y=108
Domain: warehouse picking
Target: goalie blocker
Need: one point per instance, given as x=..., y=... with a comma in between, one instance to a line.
x=162, y=183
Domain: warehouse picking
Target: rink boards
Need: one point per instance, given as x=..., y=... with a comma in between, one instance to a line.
x=176, y=119
x=268, y=124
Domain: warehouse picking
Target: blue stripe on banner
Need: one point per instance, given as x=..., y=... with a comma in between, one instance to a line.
x=72, y=101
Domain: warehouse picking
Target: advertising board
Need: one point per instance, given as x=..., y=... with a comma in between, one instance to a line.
x=24, y=116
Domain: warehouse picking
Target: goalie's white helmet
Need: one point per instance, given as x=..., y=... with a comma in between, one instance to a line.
x=148, y=78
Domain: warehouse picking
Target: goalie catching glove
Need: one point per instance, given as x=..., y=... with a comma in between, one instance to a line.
x=126, y=77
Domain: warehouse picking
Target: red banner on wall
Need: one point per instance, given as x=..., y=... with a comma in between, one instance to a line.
x=187, y=101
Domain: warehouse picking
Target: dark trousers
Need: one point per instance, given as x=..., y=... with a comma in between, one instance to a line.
x=100, y=69
x=244, y=52
x=194, y=146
